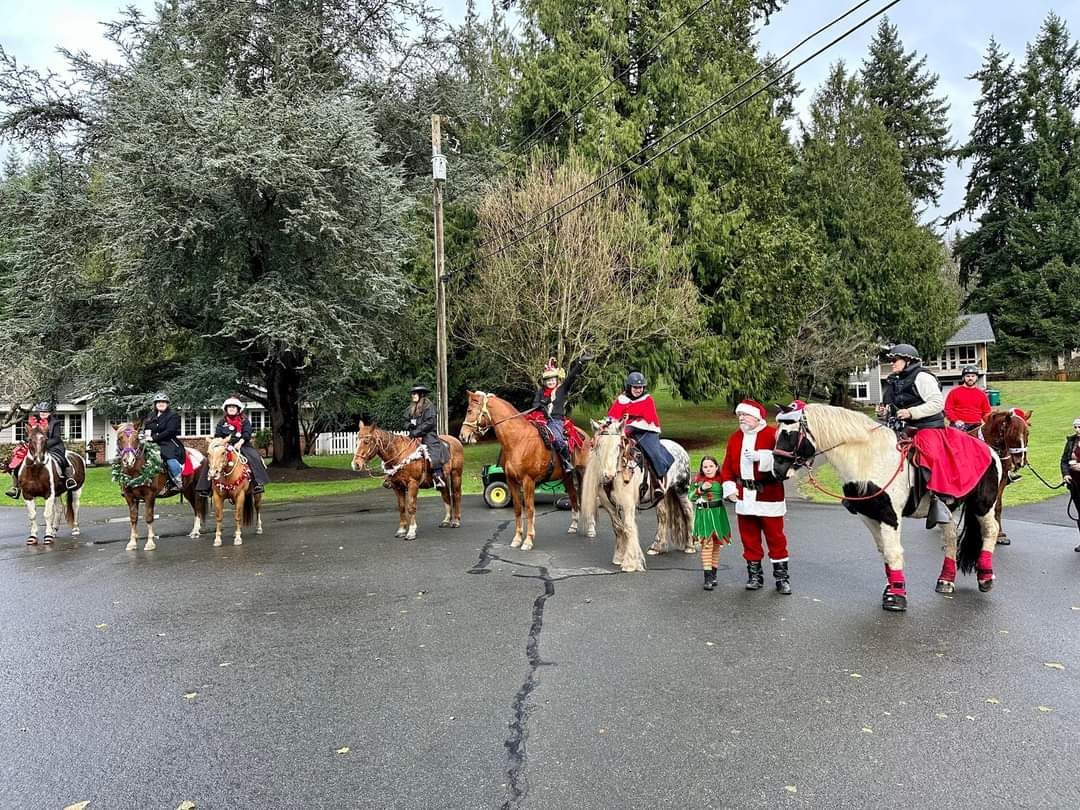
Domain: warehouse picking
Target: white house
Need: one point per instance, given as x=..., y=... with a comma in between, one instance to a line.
x=967, y=347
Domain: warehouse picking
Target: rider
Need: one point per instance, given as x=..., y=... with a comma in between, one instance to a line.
x=644, y=423
x=236, y=427
x=550, y=399
x=162, y=427
x=421, y=423
x=967, y=404
x=20, y=453
x=913, y=395
x=1070, y=464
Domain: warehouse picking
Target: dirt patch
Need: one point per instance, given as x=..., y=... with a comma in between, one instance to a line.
x=288, y=475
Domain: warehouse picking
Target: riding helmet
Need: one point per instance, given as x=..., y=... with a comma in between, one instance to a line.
x=969, y=370
x=44, y=405
x=161, y=396
x=635, y=378
x=903, y=351
x=232, y=401
x=420, y=389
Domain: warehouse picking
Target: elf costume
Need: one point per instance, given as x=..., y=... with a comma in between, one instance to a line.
x=711, y=527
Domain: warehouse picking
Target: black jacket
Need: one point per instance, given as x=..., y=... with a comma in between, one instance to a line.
x=164, y=430
x=555, y=407
x=1067, y=454
x=425, y=427
x=900, y=392
x=224, y=430
x=54, y=439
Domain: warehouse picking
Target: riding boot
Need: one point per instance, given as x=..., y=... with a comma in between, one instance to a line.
x=755, y=576
x=1014, y=476
x=13, y=490
x=710, y=579
x=437, y=478
x=780, y=574
x=566, y=459
x=938, y=513
x=69, y=482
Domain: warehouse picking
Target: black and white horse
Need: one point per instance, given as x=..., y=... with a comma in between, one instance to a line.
x=878, y=484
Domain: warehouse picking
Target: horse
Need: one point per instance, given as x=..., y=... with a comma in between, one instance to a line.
x=878, y=481
x=526, y=460
x=230, y=478
x=406, y=469
x=39, y=477
x=612, y=481
x=1007, y=434
x=143, y=475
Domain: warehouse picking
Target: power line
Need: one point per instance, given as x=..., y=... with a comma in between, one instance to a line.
x=712, y=105
x=742, y=102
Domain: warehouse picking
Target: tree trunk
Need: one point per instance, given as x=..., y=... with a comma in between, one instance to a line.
x=283, y=402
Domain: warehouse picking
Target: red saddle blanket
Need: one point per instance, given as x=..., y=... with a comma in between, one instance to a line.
x=956, y=460
x=573, y=437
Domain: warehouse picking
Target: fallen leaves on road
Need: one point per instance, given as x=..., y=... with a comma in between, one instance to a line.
x=941, y=716
x=1054, y=665
x=78, y=806
x=791, y=789
x=187, y=805
x=867, y=730
x=993, y=701
x=102, y=627
x=1044, y=709
x=190, y=695
x=343, y=750
x=855, y=675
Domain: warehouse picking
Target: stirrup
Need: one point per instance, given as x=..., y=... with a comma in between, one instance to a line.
x=71, y=483
x=13, y=493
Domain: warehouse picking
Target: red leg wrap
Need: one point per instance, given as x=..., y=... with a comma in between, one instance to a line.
x=897, y=585
x=948, y=570
x=984, y=568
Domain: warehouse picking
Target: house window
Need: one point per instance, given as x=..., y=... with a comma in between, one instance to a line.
x=74, y=427
x=20, y=431
x=258, y=420
x=205, y=424
x=968, y=356
x=859, y=390
x=191, y=424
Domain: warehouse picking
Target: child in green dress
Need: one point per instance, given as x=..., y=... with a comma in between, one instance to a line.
x=711, y=527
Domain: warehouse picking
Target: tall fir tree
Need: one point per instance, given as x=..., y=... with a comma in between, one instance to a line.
x=898, y=82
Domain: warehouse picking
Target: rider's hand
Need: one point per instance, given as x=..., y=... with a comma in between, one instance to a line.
x=903, y=414
x=882, y=410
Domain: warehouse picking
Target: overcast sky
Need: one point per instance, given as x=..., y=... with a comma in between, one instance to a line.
x=952, y=33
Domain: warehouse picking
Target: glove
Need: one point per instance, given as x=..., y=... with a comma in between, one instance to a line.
x=148, y=434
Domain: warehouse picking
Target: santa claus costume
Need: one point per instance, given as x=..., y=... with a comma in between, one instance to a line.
x=759, y=497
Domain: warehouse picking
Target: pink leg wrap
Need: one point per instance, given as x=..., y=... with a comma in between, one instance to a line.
x=948, y=570
x=896, y=581
x=984, y=569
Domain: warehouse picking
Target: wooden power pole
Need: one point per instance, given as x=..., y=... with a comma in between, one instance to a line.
x=438, y=173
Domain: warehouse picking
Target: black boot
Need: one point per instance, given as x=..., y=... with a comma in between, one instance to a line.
x=755, y=576
x=780, y=574
x=437, y=478
x=13, y=491
x=938, y=513
x=566, y=459
x=710, y=579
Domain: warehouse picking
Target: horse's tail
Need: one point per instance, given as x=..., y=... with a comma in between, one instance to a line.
x=69, y=507
x=588, y=492
x=680, y=523
x=249, y=509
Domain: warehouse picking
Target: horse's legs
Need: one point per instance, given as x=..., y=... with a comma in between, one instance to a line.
x=219, y=516
x=31, y=512
x=895, y=596
x=662, y=540
x=76, y=497
x=946, y=582
x=410, y=506
x=447, y=494
x=529, y=490
x=632, y=559
x=258, y=513
x=403, y=523
x=238, y=516
x=455, y=489
x=516, y=497
x=575, y=501
x=133, y=516
x=1002, y=537
x=984, y=568
x=194, y=500
x=150, y=544
x=50, y=517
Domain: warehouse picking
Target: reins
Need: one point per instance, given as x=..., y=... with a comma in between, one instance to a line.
x=483, y=429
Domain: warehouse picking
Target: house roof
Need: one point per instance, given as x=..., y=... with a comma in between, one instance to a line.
x=974, y=328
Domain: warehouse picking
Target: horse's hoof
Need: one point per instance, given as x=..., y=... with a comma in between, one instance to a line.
x=75, y=532
x=193, y=534
x=259, y=530
x=410, y=537
x=455, y=524
x=49, y=540
x=894, y=602
x=527, y=545
x=945, y=586
x=987, y=583
x=1003, y=540
x=652, y=552
x=217, y=542
x=399, y=533
x=591, y=533
x=150, y=546
x=515, y=543
x=572, y=530
x=31, y=541
x=689, y=550
x=238, y=542
x=445, y=524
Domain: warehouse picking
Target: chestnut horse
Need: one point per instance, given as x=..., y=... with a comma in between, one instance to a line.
x=526, y=460
x=39, y=477
x=1007, y=433
x=134, y=469
x=407, y=470
x=230, y=478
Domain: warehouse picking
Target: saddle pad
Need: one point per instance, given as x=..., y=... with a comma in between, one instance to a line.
x=193, y=459
x=956, y=460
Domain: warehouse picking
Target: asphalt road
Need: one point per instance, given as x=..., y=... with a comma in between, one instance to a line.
x=458, y=673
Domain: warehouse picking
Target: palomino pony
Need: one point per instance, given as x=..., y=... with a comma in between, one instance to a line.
x=406, y=469
x=230, y=478
x=526, y=459
x=878, y=482
x=142, y=475
x=39, y=477
x=613, y=482
x=1007, y=434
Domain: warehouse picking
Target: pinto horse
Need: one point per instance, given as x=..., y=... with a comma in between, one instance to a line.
x=527, y=461
x=39, y=477
x=230, y=479
x=1007, y=434
x=613, y=481
x=878, y=484
x=406, y=470
x=139, y=484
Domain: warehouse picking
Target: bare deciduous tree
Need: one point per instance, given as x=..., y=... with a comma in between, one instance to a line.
x=823, y=349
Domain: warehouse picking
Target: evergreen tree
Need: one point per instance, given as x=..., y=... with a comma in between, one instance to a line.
x=899, y=83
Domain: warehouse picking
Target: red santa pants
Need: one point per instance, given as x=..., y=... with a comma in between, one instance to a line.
x=752, y=527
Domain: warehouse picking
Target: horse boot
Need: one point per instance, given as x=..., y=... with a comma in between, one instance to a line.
x=755, y=576
x=780, y=574
x=938, y=513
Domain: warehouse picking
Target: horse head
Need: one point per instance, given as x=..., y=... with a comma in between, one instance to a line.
x=608, y=446
x=128, y=443
x=221, y=459
x=36, y=442
x=794, y=446
x=368, y=445
x=1014, y=435
x=477, y=417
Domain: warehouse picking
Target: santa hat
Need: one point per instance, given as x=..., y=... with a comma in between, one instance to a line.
x=752, y=408
x=792, y=413
x=1020, y=413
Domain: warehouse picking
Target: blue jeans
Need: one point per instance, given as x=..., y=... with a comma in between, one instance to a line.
x=658, y=456
x=175, y=467
x=558, y=434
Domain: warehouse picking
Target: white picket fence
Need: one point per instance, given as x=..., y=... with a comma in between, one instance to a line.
x=335, y=444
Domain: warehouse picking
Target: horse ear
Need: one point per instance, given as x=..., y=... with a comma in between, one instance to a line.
x=137, y=424
x=360, y=425
x=595, y=425
x=784, y=408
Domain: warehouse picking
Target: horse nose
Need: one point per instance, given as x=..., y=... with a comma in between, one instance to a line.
x=355, y=467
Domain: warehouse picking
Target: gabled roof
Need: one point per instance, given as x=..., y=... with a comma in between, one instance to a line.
x=974, y=328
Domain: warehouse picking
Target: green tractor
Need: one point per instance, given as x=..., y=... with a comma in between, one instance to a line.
x=497, y=491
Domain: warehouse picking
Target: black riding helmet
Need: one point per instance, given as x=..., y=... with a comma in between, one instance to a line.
x=161, y=396
x=969, y=370
x=634, y=379
x=44, y=405
x=903, y=351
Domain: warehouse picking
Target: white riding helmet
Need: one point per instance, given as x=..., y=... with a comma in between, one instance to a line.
x=232, y=401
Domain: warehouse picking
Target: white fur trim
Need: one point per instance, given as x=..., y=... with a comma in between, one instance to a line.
x=749, y=410
x=728, y=488
x=623, y=399
x=761, y=508
x=641, y=424
x=765, y=460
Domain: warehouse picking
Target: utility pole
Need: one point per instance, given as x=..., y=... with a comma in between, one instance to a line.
x=438, y=174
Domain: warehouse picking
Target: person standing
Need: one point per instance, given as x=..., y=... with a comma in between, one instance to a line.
x=711, y=527
x=967, y=405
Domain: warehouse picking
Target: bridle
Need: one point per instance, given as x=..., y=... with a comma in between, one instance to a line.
x=129, y=455
x=478, y=425
x=379, y=441
x=228, y=466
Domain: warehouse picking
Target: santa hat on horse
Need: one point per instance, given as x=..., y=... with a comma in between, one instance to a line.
x=792, y=412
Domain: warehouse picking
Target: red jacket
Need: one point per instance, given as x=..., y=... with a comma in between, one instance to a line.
x=967, y=405
x=642, y=412
x=766, y=499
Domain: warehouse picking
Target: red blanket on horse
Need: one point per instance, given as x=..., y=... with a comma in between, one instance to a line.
x=956, y=460
x=573, y=438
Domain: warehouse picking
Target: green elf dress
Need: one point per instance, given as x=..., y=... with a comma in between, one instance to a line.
x=710, y=516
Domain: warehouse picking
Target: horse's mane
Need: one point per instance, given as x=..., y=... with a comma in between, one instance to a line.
x=858, y=447
x=832, y=426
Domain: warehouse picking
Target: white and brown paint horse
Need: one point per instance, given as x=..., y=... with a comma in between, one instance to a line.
x=1007, y=434
x=614, y=482
x=230, y=480
x=407, y=470
x=878, y=481
x=39, y=477
x=132, y=459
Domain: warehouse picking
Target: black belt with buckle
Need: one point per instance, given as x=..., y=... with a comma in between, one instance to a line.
x=754, y=485
x=709, y=504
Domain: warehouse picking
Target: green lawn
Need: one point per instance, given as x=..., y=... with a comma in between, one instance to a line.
x=705, y=426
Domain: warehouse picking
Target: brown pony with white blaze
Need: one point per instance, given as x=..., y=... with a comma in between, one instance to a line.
x=132, y=454
x=230, y=479
x=878, y=481
x=1007, y=434
x=526, y=460
x=407, y=471
x=39, y=477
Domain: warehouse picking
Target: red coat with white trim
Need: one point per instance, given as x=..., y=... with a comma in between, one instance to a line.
x=642, y=412
x=749, y=458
